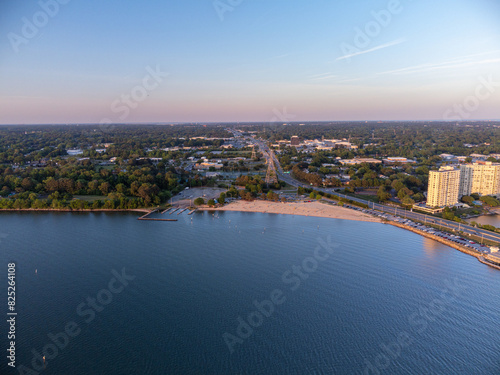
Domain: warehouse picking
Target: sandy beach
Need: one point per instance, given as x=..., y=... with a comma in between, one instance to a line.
x=141, y=210
x=315, y=209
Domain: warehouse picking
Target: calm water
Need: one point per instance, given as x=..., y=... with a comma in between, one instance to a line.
x=488, y=219
x=385, y=301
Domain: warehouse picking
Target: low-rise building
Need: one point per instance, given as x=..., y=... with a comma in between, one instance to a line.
x=74, y=152
x=207, y=165
x=398, y=160
x=447, y=156
x=359, y=161
x=424, y=208
x=295, y=141
x=346, y=144
x=478, y=156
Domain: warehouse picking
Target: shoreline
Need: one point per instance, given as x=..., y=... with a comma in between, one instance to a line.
x=70, y=210
x=336, y=212
x=476, y=254
x=309, y=209
x=482, y=260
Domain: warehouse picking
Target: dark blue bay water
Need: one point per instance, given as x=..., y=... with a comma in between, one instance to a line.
x=382, y=300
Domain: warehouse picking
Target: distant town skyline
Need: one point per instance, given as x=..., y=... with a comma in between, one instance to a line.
x=66, y=61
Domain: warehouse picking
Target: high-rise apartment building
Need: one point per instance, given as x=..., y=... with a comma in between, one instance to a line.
x=444, y=186
x=466, y=177
x=486, y=178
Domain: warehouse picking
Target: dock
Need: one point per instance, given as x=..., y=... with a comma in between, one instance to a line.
x=145, y=216
x=150, y=219
x=170, y=211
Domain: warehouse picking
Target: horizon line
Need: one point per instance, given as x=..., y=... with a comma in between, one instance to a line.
x=239, y=122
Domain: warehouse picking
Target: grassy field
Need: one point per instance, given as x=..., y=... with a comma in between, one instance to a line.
x=470, y=211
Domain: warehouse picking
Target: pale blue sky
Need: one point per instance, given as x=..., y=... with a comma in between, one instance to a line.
x=247, y=62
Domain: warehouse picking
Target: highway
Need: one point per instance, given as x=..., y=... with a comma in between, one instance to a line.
x=393, y=210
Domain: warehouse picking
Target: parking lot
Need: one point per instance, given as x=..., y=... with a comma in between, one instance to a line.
x=447, y=236
x=186, y=197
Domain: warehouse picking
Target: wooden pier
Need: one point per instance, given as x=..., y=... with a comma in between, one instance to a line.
x=148, y=213
x=150, y=219
x=181, y=211
x=171, y=212
x=145, y=216
x=192, y=212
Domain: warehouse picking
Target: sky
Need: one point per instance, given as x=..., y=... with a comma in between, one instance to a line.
x=122, y=61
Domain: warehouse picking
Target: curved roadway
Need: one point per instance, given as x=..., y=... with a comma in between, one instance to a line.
x=397, y=211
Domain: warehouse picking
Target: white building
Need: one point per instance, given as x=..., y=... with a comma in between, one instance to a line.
x=466, y=173
x=449, y=184
x=481, y=177
x=398, y=160
x=444, y=186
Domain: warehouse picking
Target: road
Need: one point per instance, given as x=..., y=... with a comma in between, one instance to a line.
x=397, y=211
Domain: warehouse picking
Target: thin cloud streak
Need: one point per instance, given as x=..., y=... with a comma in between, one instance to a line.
x=438, y=66
x=324, y=77
x=382, y=46
x=320, y=75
